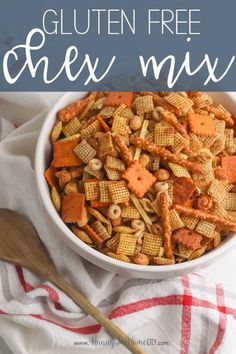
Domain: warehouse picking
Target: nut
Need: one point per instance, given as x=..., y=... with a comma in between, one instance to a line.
x=204, y=202
x=114, y=212
x=135, y=123
x=161, y=187
x=138, y=224
x=144, y=160
x=95, y=164
x=141, y=259
x=162, y=174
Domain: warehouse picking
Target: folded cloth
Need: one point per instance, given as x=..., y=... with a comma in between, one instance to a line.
x=191, y=314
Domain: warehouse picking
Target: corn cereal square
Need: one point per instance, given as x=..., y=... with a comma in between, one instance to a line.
x=164, y=136
x=119, y=192
x=151, y=244
x=85, y=152
x=144, y=104
x=127, y=244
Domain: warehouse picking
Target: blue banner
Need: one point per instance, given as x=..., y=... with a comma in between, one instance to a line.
x=122, y=45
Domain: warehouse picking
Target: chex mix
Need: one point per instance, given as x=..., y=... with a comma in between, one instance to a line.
x=145, y=178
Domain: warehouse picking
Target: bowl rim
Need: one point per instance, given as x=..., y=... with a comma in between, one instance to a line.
x=93, y=253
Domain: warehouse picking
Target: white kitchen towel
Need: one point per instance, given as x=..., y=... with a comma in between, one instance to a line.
x=191, y=314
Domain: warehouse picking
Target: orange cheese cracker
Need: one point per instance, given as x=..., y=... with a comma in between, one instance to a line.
x=50, y=175
x=139, y=179
x=229, y=167
x=115, y=99
x=188, y=238
x=63, y=154
x=201, y=124
x=183, y=189
x=73, y=207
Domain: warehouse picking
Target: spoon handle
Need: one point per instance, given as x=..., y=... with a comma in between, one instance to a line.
x=90, y=309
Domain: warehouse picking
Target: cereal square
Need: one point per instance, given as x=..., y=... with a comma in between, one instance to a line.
x=106, y=146
x=179, y=102
x=85, y=152
x=127, y=244
x=144, y=104
x=119, y=192
x=164, y=136
x=105, y=196
x=130, y=212
x=92, y=190
x=120, y=125
x=72, y=127
x=151, y=244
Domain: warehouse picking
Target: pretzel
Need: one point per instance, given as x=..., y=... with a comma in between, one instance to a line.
x=70, y=112
x=205, y=216
x=126, y=154
x=160, y=151
x=171, y=119
x=165, y=221
x=97, y=239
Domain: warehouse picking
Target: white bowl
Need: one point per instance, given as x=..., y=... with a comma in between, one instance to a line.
x=42, y=160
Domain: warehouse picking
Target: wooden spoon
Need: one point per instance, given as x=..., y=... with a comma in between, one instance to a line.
x=20, y=244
